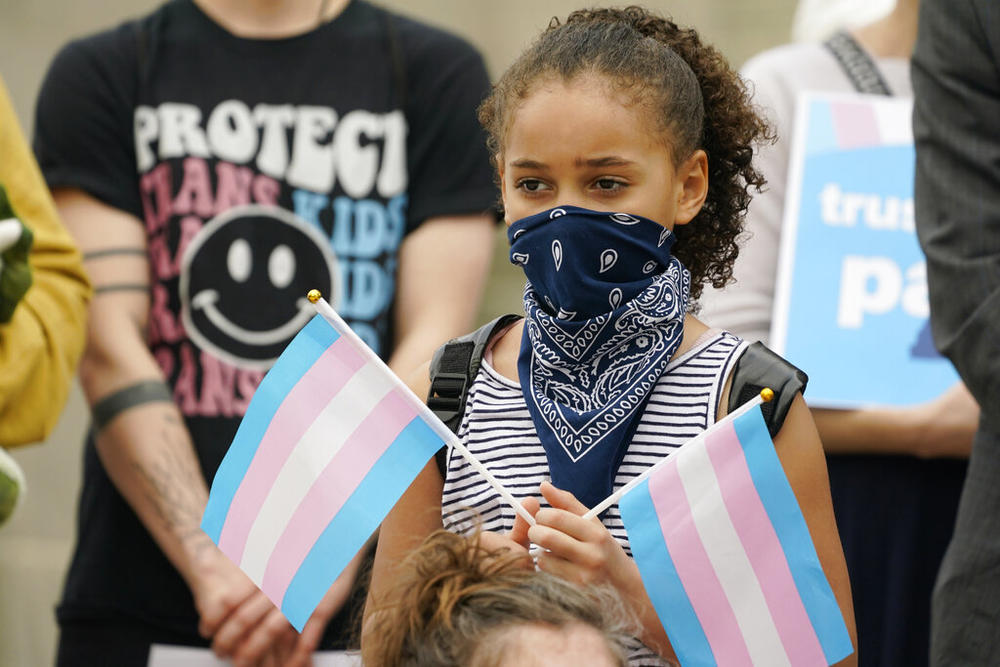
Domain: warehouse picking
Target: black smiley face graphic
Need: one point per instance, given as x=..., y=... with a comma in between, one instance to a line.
x=244, y=281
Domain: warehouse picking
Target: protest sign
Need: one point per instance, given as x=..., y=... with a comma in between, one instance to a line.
x=851, y=302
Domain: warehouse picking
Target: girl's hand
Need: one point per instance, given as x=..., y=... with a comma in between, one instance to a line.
x=577, y=549
x=583, y=551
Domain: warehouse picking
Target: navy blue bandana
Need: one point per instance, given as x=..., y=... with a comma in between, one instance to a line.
x=605, y=304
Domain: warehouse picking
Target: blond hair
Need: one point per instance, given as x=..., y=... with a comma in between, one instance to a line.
x=453, y=602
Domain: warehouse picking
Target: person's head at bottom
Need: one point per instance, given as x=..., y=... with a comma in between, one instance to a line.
x=456, y=604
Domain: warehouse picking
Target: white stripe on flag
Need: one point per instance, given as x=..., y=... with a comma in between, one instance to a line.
x=320, y=443
x=729, y=559
x=893, y=119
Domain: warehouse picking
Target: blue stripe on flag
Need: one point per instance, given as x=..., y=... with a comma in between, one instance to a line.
x=358, y=518
x=793, y=533
x=659, y=577
x=300, y=355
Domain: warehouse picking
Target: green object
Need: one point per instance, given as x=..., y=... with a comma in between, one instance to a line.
x=11, y=485
x=15, y=269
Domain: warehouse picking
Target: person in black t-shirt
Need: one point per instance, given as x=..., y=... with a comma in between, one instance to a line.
x=215, y=160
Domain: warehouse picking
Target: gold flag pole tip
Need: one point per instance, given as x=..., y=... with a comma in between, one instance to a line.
x=766, y=394
x=314, y=296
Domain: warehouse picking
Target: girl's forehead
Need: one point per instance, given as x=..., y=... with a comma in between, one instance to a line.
x=583, y=112
x=589, y=88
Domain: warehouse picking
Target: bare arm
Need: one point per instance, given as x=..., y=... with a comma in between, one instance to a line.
x=442, y=270
x=146, y=450
x=943, y=427
x=801, y=455
x=593, y=556
x=415, y=516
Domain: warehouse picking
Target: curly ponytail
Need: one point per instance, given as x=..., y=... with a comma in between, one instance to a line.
x=698, y=99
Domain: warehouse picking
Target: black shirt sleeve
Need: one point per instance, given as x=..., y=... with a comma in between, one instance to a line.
x=84, y=118
x=449, y=166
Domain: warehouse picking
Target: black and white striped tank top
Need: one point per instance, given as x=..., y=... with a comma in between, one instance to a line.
x=498, y=430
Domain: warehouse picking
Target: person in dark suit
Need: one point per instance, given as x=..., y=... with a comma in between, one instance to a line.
x=956, y=125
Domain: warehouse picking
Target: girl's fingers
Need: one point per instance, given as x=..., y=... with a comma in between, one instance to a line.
x=573, y=525
x=554, y=540
x=563, y=545
x=493, y=542
x=550, y=563
x=519, y=533
x=563, y=500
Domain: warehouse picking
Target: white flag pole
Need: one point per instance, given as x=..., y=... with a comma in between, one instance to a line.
x=494, y=482
x=763, y=397
x=331, y=316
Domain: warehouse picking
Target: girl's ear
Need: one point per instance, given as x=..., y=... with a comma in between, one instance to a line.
x=692, y=187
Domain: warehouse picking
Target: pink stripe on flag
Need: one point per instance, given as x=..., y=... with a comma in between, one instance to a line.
x=763, y=549
x=694, y=568
x=342, y=475
x=855, y=125
x=294, y=416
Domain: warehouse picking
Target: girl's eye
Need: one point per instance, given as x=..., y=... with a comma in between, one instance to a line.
x=531, y=185
x=608, y=184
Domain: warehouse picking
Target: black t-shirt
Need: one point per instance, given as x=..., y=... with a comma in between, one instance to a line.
x=260, y=169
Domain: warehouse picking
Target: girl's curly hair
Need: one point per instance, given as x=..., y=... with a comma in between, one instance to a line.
x=699, y=100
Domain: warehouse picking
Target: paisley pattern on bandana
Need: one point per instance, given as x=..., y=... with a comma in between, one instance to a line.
x=605, y=304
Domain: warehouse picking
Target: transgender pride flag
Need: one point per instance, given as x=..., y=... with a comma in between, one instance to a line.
x=726, y=557
x=330, y=441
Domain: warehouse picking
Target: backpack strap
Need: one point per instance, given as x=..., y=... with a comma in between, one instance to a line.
x=857, y=64
x=453, y=367
x=757, y=368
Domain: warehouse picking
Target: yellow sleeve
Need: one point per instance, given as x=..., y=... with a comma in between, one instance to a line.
x=41, y=344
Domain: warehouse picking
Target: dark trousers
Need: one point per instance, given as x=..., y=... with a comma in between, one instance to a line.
x=125, y=642
x=895, y=516
x=118, y=643
x=966, y=607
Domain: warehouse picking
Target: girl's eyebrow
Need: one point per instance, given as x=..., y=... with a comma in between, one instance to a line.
x=607, y=161
x=527, y=163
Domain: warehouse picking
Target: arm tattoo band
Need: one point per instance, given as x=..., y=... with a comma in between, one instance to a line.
x=122, y=287
x=109, y=407
x=111, y=252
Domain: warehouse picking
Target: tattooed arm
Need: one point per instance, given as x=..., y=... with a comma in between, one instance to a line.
x=146, y=449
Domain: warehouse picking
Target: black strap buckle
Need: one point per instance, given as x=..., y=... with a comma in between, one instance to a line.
x=447, y=396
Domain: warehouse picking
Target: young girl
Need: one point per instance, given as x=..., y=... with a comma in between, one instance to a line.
x=623, y=149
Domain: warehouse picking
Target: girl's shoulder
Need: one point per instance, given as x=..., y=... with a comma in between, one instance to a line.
x=504, y=350
x=703, y=344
